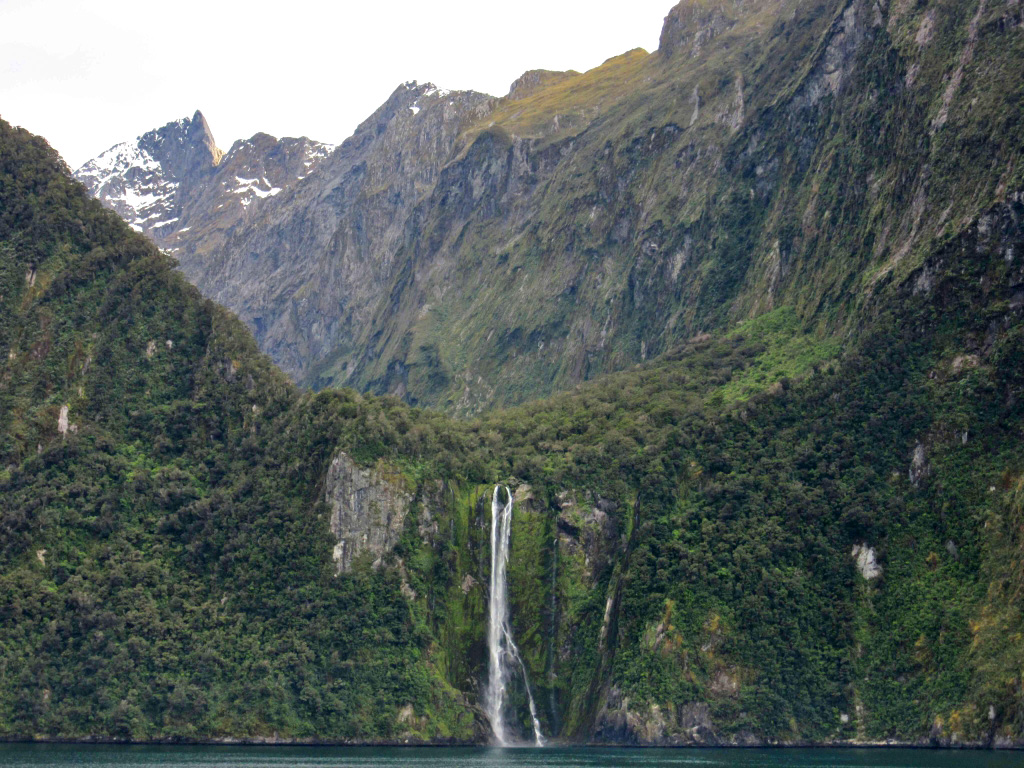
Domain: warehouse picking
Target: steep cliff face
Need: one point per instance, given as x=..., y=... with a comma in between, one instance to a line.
x=770, y=154
x=368, y=510
x=251, y=173
x=306, y=269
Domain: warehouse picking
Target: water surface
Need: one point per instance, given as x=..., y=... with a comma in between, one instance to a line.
x=67, y=755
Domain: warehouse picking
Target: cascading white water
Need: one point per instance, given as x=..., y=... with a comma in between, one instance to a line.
x=502, y=647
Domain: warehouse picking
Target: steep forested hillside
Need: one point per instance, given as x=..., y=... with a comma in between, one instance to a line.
x=166, y=567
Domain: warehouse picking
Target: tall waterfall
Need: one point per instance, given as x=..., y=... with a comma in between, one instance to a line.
x=503, y=650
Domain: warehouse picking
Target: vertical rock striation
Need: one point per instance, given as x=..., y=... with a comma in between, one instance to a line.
x=368, y=510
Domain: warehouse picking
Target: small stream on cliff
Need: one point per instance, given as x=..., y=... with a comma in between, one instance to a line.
x=504, y=657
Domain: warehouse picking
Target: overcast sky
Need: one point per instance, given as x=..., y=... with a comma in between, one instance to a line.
x=87, y=74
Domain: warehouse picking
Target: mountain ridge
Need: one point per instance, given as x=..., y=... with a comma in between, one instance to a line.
x=598, y=219
x=165, y=180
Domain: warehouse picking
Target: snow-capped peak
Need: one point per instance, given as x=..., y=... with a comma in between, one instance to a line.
x=131, y=181
x=175, y=176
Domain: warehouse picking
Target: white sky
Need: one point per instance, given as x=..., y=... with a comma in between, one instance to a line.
x=87, y=74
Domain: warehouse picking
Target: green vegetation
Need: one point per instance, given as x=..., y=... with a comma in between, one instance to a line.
x=684, y=545
x=567, y=102
x=789, y=353
x=166, y=569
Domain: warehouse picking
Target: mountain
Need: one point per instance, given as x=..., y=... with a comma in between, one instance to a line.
x=166, y=563
x=306, y=270
x=467, y=252
x=174, y=179
x=801, y=526
x=142, y=180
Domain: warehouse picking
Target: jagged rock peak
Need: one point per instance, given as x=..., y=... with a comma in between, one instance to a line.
x=533, y=80
x=172, y=179
x=187, y=143
x=199, y=133
x=140, y=179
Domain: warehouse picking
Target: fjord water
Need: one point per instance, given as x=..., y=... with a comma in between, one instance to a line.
x=66, y=755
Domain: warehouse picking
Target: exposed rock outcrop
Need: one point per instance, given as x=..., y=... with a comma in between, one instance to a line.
x=919, y=467
x=622, y=722
x=690, y=25
x=368, y=509
x=866, y=561
x=588, y=529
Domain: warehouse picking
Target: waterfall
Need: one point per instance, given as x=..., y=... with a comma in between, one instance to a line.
x=502, y=648
x=553, y=635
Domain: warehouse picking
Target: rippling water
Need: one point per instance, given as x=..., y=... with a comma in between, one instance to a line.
x=65, y=755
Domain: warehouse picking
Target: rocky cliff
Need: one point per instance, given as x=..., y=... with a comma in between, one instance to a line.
x=307, y=269
x=368, y=510
x=609, y=217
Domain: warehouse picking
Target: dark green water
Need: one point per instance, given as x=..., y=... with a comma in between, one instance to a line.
x=62, y=756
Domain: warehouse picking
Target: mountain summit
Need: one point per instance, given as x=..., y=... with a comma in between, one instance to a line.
x=174, y=178
x=142, y=179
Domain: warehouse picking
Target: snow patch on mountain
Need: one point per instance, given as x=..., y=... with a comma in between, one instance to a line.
x=116, y=161
x=131, y=181
x=426, y=90
x=254, y=187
